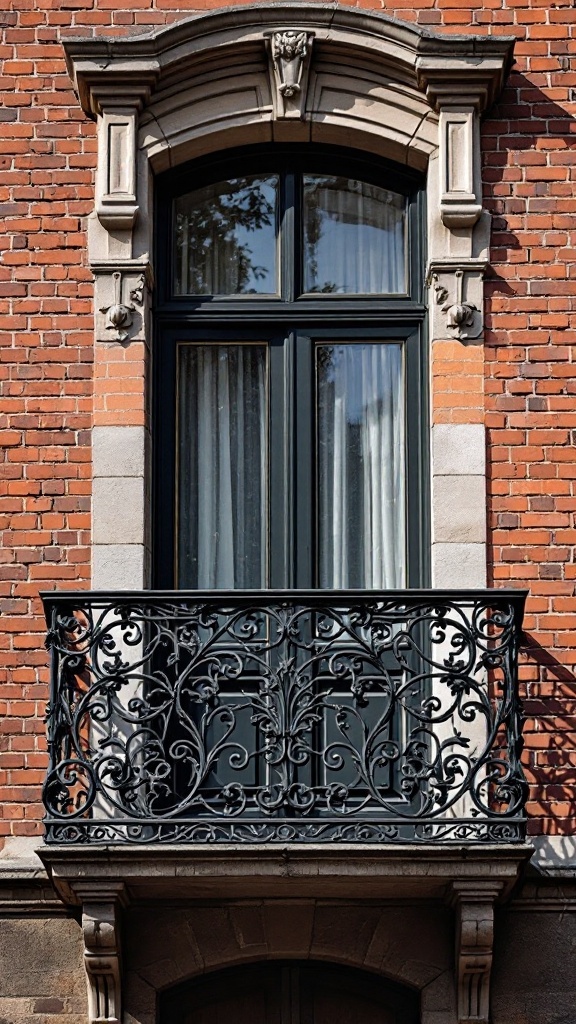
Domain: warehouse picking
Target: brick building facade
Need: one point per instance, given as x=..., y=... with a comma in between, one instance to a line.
x=105, y=104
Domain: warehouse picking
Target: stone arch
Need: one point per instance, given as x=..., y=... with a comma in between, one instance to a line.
x=214, y=80
x=276, y=987
x=166, y=947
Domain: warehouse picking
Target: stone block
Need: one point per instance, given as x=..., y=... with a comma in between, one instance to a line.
x=118, y=510
x=459, y=565
x=288, y=928
x=118, y=451
x=118, y=567
x=458, y=449
x=459, y=509
x=48, y=1006
x=555, y=855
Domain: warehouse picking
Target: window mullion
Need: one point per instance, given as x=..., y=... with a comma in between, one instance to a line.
x=281, y=460
x=304, y=448
x=288, y=237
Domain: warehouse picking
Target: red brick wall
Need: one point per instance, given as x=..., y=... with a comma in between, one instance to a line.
x=47, y=160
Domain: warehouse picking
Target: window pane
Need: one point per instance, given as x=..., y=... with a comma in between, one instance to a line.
x=226, y=238
x=354, y=237
x=360, y=466
x=222, y=443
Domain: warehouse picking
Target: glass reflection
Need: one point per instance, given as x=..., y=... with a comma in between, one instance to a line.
x=354, y=237
x=360, y=466
x=226, y=238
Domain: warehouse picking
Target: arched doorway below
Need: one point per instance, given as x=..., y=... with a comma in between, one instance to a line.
x=290, y=992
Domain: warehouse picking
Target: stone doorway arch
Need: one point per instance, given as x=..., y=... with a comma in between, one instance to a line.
x=290, y=992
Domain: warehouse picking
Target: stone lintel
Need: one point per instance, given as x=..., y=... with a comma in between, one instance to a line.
x=485, y=60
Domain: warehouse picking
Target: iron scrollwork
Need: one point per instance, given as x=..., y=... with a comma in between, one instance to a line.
x=262, y=717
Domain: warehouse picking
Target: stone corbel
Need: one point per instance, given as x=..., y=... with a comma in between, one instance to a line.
x=474, y=906
x=457, y=298
x=116, y=191
x=460, y=91
x=460, y=178
x=289, y=54
x=101, y=909
x=116, y=205
x=121, y=298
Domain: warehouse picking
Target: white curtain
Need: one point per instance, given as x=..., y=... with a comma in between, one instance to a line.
x=354, y=237
x=361, y=466
x=223, y=465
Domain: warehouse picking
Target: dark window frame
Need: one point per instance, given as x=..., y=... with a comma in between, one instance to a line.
x=303, y=318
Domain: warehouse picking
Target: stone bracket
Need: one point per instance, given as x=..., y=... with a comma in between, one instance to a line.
x=460, y=101
x=121, y=298
x=474, y=905
x=116, y=186
x=460, y=179
x=101, y=908
x=289, y=55
x=116, y=191
x=457, y=299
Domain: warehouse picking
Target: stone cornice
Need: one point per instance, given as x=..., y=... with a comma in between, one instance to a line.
x=435, y=62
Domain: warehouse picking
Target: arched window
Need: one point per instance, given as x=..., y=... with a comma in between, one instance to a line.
x=291, y=375
x=290, y=993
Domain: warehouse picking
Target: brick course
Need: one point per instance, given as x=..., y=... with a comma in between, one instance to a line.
x=522, y=385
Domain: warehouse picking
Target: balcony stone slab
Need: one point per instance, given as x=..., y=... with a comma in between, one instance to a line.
x=258, y=872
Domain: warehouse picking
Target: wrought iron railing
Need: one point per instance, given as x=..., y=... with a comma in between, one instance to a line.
x=252, y=717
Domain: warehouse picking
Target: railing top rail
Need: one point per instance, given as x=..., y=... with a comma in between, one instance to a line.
x=515, y=598
x=408, y=593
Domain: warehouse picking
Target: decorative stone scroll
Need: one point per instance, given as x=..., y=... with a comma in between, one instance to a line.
x=121, y=300
x=474, y=905
x=457, y=299
x=119, y=315
x=290, y=51
x=101, y=906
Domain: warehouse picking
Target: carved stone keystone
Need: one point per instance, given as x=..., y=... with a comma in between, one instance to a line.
x=474, y=905
x=290, y=51
x=101, y=906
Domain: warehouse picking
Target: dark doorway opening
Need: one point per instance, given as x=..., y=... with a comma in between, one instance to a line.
x=290, y=992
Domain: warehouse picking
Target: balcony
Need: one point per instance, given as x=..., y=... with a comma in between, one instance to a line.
x=284, y=718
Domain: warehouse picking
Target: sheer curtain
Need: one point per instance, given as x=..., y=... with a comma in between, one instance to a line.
x=361, y=466
x=354, y=237
x=223, y=466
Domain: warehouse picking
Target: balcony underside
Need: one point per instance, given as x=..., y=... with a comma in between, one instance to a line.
x=203, y=872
